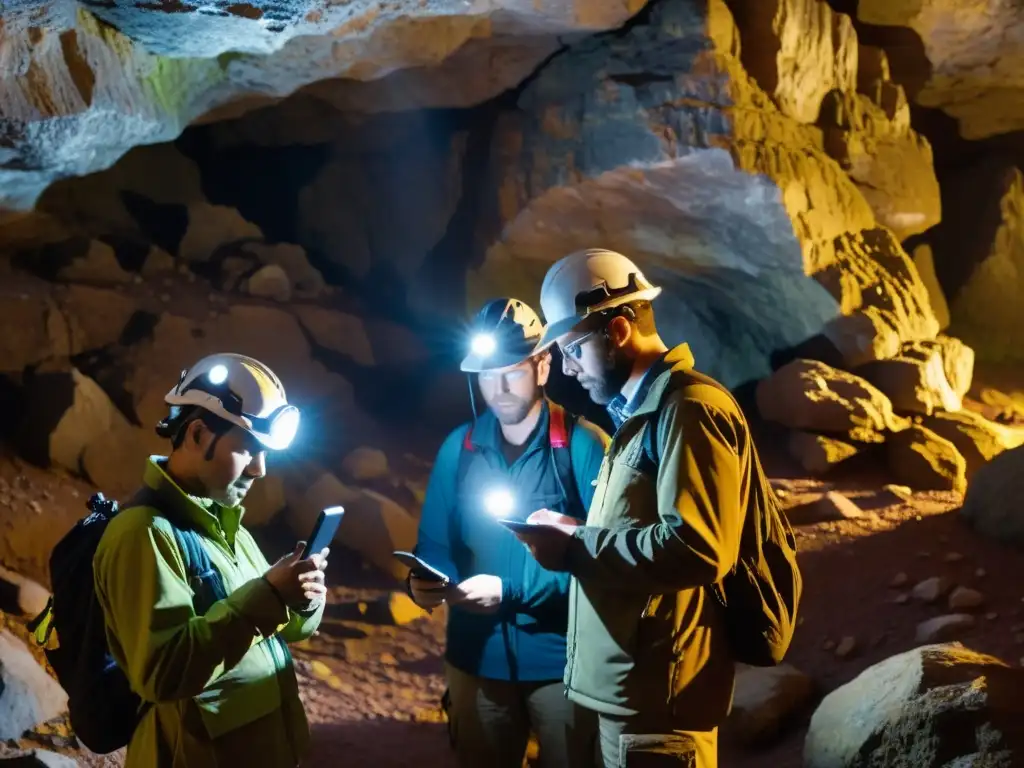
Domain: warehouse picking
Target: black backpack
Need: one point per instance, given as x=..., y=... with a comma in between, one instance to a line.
x=103, y=709
x=760, y=597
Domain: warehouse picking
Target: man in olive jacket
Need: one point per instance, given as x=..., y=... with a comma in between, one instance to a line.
x=220, y=686
x=647, y=645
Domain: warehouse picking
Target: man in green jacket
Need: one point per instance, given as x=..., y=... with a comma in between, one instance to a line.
x=648, y=649
x=220, y=685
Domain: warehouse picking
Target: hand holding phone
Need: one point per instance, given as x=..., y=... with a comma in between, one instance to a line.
x=420, y=568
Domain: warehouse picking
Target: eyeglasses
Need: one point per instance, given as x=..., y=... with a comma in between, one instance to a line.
x=489, y=378
x=575, y=347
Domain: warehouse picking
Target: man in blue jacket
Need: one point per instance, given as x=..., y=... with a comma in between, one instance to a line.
x=507, y=623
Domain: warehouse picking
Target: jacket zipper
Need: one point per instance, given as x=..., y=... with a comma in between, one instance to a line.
x=572, y=640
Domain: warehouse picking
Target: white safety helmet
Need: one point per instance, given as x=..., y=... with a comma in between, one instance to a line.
x=586, y=283
x=242, y=391
x=505, y=332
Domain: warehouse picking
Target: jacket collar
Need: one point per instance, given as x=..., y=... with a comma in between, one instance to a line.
x=487, y=430
x=205, y=515
x=652, y=385
x=678, y=358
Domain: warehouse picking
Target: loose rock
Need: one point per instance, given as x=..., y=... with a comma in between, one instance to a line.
x=965, y=599
x=827, y=507
x=270, y=282
x=924, y=461
x=931, y=707
x=28, y=695
x=818, y=454
x=942, y=628
x=931, y=590
x=765, y=700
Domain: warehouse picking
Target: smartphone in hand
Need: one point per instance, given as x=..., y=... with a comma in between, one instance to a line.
x=327, y=523
x=420, y=568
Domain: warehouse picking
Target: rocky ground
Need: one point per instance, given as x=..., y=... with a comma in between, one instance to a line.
x=874, y=571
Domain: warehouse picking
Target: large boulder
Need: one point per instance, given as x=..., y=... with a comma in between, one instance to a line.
x=657, y=143
x=975, y=438
x=913, y=385
x=931, y=707
x=989, y=505
x=28, y=695
x=812, y=396
x=980, y=257
x=964, y=59
x=69, y=421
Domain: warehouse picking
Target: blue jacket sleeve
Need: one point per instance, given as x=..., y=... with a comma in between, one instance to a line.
x=433, y=544
x=540, y=587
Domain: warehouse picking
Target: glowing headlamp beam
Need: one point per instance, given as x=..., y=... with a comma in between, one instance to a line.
x=483, y=345
x=218, y=374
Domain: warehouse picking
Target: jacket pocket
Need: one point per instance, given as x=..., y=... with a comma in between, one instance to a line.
x=631, y=498
x=655, y=750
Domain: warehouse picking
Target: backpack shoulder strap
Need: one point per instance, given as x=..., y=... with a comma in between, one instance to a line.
x=558, y=428
x=465, y=456
x=678, y=380
x=560, y=438
x=206, y=581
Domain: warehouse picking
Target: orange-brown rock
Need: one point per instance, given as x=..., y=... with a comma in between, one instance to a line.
x=982, y=252
x=913, y=385
x=817, y=454
x=976, y=438
x=989, y=506
x=882, y=299
x=811, y=396
x=966, y=59
x=870, y=136
x=957, y=359
x=920, y=459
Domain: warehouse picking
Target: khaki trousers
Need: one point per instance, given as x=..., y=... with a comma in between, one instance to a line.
x=635, y=742
x=491, y=722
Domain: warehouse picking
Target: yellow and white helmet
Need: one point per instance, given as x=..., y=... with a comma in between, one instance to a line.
x=242, y=391
x=506, y=332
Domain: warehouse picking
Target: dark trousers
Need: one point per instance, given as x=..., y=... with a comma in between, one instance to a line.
x=491, y=722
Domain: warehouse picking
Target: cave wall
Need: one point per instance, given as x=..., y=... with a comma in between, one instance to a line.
x=759, y=159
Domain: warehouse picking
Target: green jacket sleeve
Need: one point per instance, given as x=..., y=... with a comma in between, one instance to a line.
x=701, y=504
x=301, y=624
x=166, y=650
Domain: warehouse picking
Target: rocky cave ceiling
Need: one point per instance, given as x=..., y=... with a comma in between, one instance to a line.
x=760, y=157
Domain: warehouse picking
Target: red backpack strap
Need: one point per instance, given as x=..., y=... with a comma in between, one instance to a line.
x=467, y=439
x=558, y=435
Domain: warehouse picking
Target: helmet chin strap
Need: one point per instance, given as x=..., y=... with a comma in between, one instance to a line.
x=472, y=397
x=213, y=447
